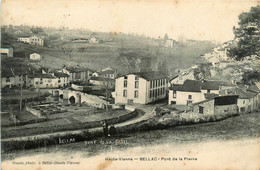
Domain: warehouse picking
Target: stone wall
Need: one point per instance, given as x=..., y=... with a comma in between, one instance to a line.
x=208, y=107
x=226, y=109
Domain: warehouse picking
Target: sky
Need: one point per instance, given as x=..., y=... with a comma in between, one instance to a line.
x=200, y=20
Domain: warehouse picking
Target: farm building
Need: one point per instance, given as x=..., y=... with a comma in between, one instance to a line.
x=217, y=105
x=35, y=56
x=7, y=50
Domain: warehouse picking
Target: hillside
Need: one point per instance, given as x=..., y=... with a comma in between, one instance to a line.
x=124, y=52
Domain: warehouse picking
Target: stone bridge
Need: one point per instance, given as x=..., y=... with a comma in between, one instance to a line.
x=71, y=97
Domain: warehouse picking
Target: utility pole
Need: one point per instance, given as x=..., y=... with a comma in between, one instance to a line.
x=107, y=96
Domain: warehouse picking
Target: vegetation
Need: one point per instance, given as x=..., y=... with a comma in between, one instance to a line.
x=248, y=35
x=251, y=76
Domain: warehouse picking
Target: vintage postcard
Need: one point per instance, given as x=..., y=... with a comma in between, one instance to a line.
x=120, y=84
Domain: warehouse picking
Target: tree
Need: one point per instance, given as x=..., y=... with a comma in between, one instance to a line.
x=248, y=35
x=163, y=67
x=250, y=76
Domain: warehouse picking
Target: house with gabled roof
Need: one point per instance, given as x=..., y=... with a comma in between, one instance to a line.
x=193, y=91
x=7, y=50
x=187, y=93
x=11, y=77
x=101, y=81
x=140, y=87
x=247, y=100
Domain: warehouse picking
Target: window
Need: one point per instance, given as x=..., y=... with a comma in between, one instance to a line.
x=189, y=102
x=125, y=77
x=124, y=93
x=174, y=94
x=201, y=109
x=243, y=101
x=125, y=83
x=36, y=82
x=58, y=81
x=242, y=109
x=136, y=78
x=173, y=102
x=151, y=84
x=136, y=94
x=136, y=84
x=208, y=91
x=150, y=93
x=8, y=79
x=153, y=93
x=190, y=97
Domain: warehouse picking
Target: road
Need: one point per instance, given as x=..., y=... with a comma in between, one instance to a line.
x=229, y=144
x=148, y=113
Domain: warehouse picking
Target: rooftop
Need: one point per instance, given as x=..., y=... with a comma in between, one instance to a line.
x=198, y=85
x=238, y=91
x=151, y=75
x=101, y=79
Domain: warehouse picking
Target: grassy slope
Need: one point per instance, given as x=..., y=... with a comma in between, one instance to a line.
x=97, y=56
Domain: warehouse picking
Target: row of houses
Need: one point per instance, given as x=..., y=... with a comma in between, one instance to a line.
x=148, y=87
x=45, y=78
x=32, y=78
x=33, y=40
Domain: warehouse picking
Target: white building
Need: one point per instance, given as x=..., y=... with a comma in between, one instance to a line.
x=11, y=78
x=169, y=43
x=35, y=56
x=109, y=73
x=42, y=81
x=34, y=40
x=100, y=81
x=142, y=87
x=193, y=91
x=186, y=94
x=7, y=50
x=247, y=101
x=62, y=79
x=93, y=40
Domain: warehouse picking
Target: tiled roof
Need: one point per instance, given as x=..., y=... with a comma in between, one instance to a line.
x=60, y=74
x=214, y=85
x=238, y=91
x=101, y=79
x=188, y=86
x=108, y=72
x=43, y=76
x=176, y=87
x=210, y=95
x=76, y=69
x=151, y=75
x=254, y=88
x=6, y=73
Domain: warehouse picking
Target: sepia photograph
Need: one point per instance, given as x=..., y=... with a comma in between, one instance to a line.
x=120, y=84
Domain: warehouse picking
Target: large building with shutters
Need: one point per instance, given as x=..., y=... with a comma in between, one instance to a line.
x=141, y=87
